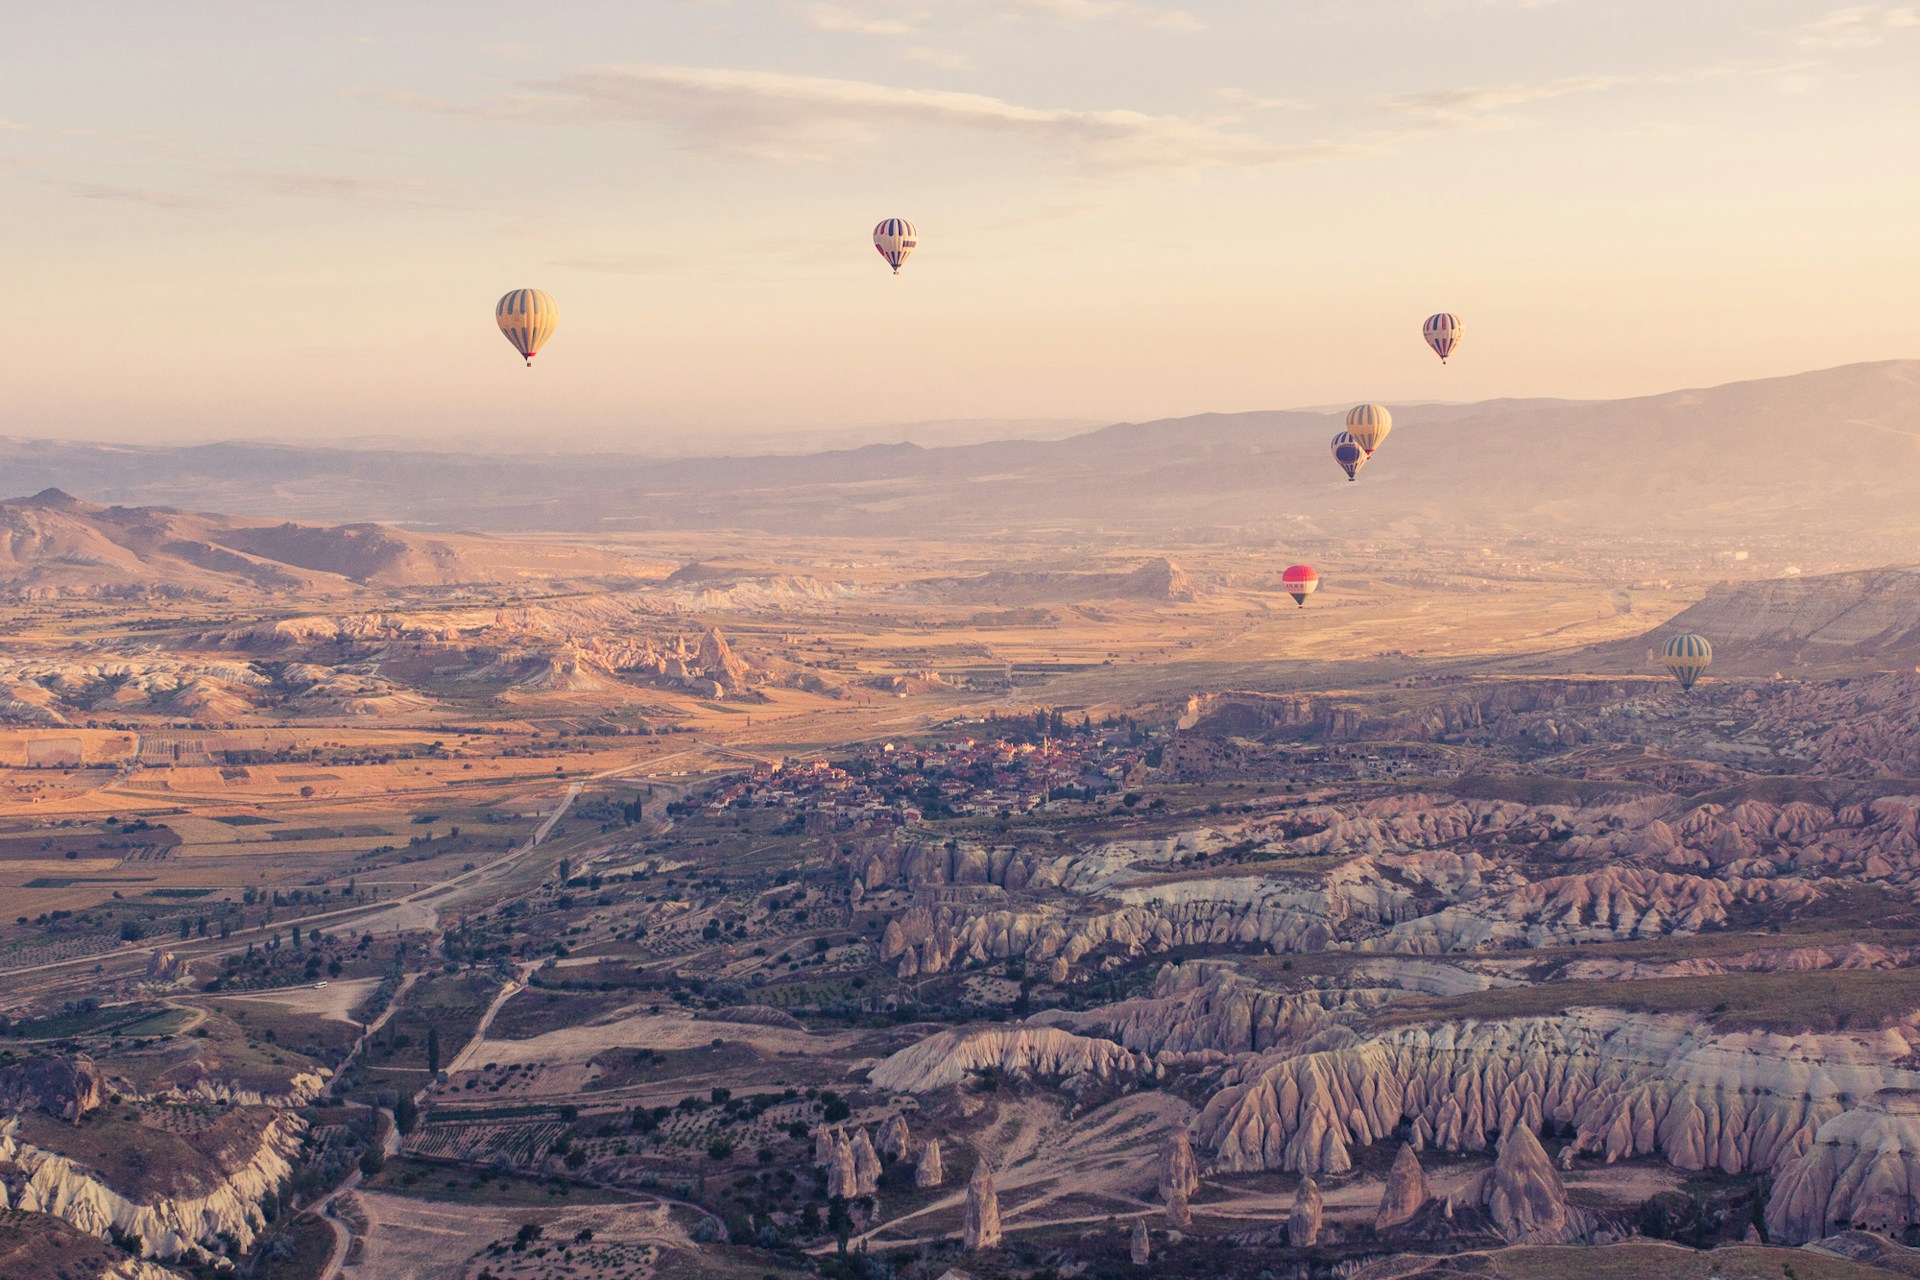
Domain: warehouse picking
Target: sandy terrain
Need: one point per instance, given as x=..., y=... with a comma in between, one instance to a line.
x=414, y=1239
x=653, y=1031
x=335, y=1001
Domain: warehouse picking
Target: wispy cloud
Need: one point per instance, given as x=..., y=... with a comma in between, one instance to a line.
x=944, y=59
x=1107, y=10
x=837, y=17
x=151, y=197
x=1483, y=102
x=1241, y=100
x=775, y=115
x=1859, y=26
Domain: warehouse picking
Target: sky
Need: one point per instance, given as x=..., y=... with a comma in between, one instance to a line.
x=226, y=219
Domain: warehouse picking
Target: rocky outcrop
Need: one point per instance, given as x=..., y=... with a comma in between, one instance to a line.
x=1844, y=956
x=718, y=663
x=165, y=969
x=982, y=1225
x=1179, y=1171
x=1138, y=1248
x=949, y=1057
x=895, y=1142
x=927, y=1171
x=1862, y=1171
x=1628, y=1084
x=1179, y=1211
x=823, y=1146
x=1209, y=1007
x=41, y=1181
x=843, y=1178
x=1523, y=1194
x=866, y=1165
x=65, y=1087
x=1282, y=915
x=1405, y=1193
x=1303, y=1223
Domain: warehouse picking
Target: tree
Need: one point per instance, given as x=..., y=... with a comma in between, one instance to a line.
x=406, y=1114
x=306, y=793
x=372, y=1161
x=433, y=1050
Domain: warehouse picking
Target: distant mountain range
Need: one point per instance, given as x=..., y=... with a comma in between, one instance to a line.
x=1835, y=453
x=53, y=544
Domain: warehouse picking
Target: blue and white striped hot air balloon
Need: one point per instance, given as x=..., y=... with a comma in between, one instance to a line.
x=895, y=239
x=1368, y=424
x=1348, y=453
x=1686, y=657
x=1442, y=333
x=527, y=317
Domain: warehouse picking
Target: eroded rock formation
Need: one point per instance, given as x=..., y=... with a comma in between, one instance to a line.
x=1863, y=1170
x=950, y=1056
x=1303, y=1223
x=1405, y=1193
x=927, y=1172
x=1523, y=1194
x=982, y=1225
x=1179, y=1171
x=65, y=1087
x=895, y=1142
x=1629, y=1084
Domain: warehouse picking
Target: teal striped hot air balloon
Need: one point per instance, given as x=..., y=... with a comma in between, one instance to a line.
x=527, y=317
x=1368, y=424
x=1686, y=657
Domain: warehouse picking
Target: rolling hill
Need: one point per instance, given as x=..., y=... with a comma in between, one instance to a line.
x=1818, y=624
x=53, y=544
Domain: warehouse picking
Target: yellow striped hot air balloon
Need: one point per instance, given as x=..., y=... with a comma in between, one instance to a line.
x=1686, y=657
x=527, y=317
x=1368, y=424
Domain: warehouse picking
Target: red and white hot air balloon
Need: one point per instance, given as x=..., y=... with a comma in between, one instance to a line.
x=1301, y=581
x=1442, y=333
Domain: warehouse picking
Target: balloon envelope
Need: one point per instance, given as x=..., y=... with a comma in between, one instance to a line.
x=1301, y=581
x=895, y=238
x=1348, y=453
x=1686, y=657
x=1368, y=424
x=1442, y=333
x=527, y=317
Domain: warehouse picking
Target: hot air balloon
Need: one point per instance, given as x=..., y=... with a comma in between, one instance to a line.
x=527, y=317
x=1300, y=581
x=1368, y=424
x=1442, y=333
x=1686, y=657
x=1348, y=453
x=895, y=238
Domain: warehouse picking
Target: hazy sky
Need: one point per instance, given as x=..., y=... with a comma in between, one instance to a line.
x=233, y=219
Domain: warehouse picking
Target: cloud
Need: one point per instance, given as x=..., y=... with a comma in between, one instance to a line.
x=941, y=58
x=834, y=17
x=325, y=186
x=1241, y=100
x=1482, y=102
x=149, y=196
x=1858, y=27
x=1105, y=10
x=776, y=115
